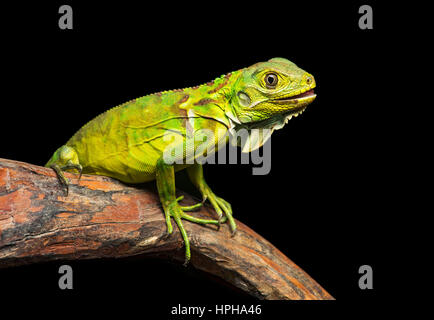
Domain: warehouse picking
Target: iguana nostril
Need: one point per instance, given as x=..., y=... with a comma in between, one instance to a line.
x=309, y=80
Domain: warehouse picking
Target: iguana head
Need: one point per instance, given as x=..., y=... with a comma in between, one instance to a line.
x=268, y=94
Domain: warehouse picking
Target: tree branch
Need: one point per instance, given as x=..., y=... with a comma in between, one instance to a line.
x=102, y=217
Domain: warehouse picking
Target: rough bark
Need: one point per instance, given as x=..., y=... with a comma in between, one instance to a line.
x=102, y=217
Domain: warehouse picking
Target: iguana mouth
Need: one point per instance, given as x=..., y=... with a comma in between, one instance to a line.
x=278, y=119
x=307, y=94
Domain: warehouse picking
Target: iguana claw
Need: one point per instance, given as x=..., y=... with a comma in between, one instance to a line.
x=63, y=180
x=65, y=158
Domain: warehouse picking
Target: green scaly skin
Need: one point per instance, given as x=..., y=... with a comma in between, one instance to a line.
x=127, y=142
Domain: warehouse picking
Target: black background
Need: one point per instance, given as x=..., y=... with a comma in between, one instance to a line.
x=325, y=203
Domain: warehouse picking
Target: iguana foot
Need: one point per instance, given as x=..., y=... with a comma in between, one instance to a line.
x=165, y=176
x=189, y=208
x=65, y=158
x=175, y=211
x=220, y=205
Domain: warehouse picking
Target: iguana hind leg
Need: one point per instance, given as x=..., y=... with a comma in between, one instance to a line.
x=65, y=158
x=165, y=176
x=195, y=172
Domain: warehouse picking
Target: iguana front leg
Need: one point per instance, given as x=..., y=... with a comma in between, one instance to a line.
x=195, y=172
x=165, y=176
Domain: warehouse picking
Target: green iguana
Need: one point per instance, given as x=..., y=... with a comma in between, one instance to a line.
x=128, y=142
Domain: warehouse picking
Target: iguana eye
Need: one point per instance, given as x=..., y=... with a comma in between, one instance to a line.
x=271, y=80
